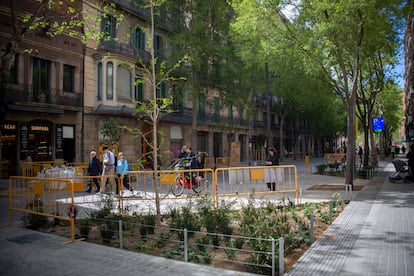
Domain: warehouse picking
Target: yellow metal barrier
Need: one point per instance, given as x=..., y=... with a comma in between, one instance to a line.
x=31, y=169
x=38, y=197
x=222, y=162
x=209, y=163
x=237, y=181
x=142, y=183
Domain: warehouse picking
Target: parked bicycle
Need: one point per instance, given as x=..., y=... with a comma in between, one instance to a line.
x=185, y=179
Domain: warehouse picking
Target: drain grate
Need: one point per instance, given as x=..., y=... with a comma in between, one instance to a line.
x=27, y=238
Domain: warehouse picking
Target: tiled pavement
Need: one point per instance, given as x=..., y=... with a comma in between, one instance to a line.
x=373, y=236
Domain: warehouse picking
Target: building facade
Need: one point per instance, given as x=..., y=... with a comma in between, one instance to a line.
x=61, y=93
x=409, y=75
x=42, y=94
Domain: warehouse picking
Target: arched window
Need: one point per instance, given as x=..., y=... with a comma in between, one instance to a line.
x=109, y=81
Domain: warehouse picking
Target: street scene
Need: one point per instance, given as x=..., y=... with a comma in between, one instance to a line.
x=195, y=137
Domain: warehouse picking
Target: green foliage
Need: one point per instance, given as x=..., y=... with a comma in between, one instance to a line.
x=110, y=131
x=184, y=219
x=321, y=168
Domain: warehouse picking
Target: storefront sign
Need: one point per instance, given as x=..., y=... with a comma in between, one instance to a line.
x=24, y=141
x=59, y=142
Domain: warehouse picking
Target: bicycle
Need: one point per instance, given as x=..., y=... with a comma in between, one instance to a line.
x=185, y=179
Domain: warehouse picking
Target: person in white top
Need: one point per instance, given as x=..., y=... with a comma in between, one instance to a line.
x=108, y=168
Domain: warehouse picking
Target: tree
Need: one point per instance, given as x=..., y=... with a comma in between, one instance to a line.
x=336, y=36
x=296, y=92
x=202, y=33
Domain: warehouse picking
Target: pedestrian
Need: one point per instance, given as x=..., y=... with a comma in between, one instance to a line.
x=360, y=154
x=94, y=169
x=122, y=171
x=200, y=161
x=108, y=166
x=393, y=151
x=272, y=160
x=182, y=152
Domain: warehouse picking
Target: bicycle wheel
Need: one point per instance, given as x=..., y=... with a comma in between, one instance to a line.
x=198, y=187
x=178, y=188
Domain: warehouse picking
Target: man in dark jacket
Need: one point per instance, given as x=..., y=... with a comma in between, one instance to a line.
x=94, y=169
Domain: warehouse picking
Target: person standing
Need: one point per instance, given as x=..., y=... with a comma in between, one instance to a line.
x=94, y=169
x=108, y=166
x=200, y=160
x=122, y=171
x=272, y=160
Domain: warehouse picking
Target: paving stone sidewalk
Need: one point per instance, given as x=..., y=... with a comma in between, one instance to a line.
x=373, y=236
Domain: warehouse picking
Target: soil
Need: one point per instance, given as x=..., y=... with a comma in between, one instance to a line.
x=218, y=256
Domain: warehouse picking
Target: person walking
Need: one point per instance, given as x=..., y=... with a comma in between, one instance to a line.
x=122, y=172
x=94, y=169
x=108, y=167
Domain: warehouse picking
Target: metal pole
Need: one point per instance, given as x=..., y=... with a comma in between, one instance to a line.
x=185, y=245
x=121, y=239
x=268, y=97
x=281, y=255
x=273, y=256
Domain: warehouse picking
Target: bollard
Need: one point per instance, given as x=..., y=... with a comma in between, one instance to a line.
x=312, y=219
x=307, y=164
x=348, y=193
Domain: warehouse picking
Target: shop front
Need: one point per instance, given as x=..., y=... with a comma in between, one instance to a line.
x=34, y=141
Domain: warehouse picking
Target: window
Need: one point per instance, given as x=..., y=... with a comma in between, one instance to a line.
x=108, y=26
x=68, y=78
x=202, y=106
x=41, y=76
x=123, y=83
x=161, y=92
x=158, y=46
x=139, y=88
x=177, y=98
x=109, y=81
x=99, y=81
x=137, y=38
x=230, y=111
x=216, y=106
x=12, y=76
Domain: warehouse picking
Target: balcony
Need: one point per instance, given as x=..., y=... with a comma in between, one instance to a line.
x=15, y=94
x=125, y=49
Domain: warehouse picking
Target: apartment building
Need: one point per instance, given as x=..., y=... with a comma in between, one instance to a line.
x=42, y=93
x=61, y=93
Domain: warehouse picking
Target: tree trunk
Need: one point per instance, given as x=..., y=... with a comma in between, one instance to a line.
x=350, y=153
